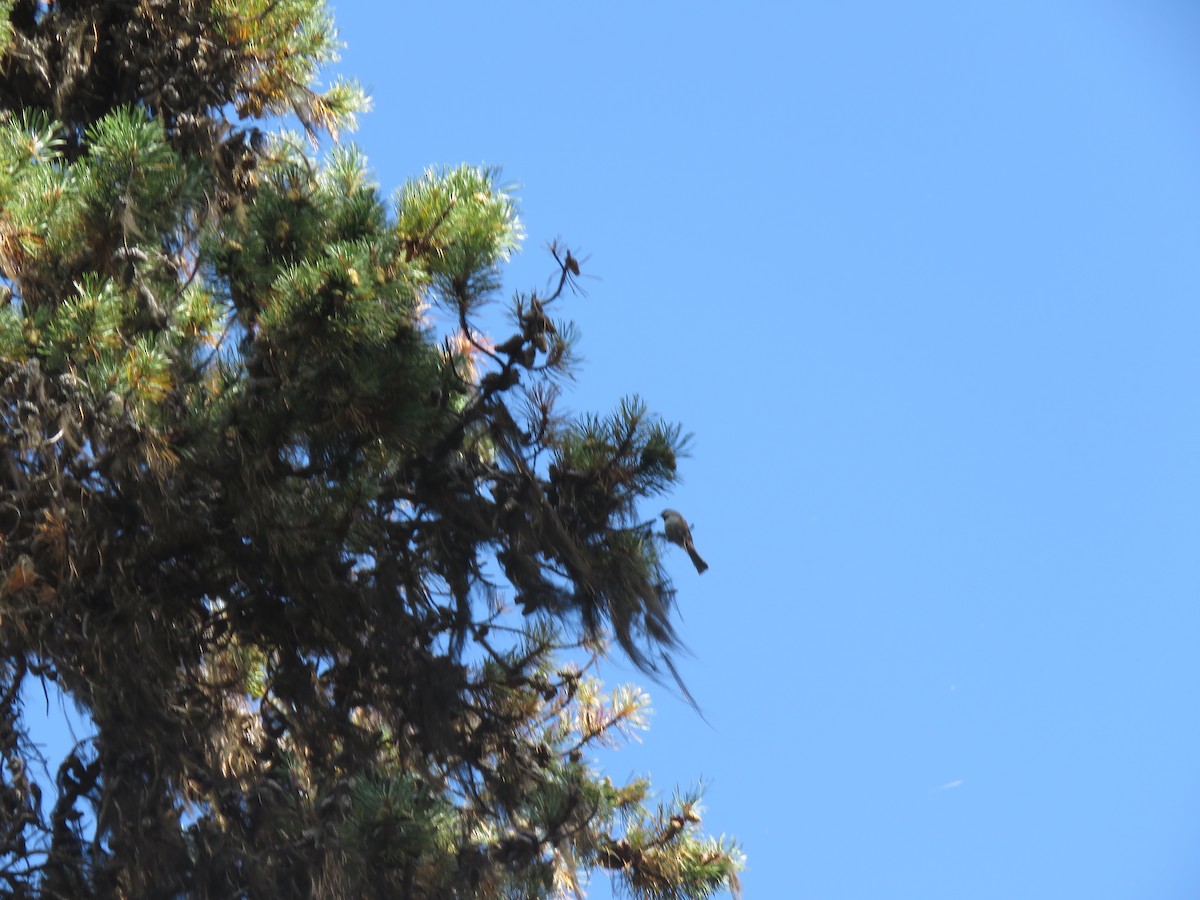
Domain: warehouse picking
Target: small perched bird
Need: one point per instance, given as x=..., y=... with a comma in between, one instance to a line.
x=678, y=533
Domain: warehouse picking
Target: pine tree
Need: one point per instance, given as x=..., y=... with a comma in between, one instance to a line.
x=322, y=562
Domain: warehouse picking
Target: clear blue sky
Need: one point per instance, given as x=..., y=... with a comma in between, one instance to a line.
x=923, y=279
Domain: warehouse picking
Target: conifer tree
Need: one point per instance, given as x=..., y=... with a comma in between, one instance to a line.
x=324, y=565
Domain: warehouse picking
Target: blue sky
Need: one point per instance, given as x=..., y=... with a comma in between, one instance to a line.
x=922, y=279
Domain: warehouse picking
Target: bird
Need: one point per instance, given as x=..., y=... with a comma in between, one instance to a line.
x=678, y=533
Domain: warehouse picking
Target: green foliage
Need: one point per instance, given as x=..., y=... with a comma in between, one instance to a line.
x=461, y=225
x=88, y=327
x=397, y=823
x=285, y=43
x=12, y=333
x=324, y=564
x=131, y=181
